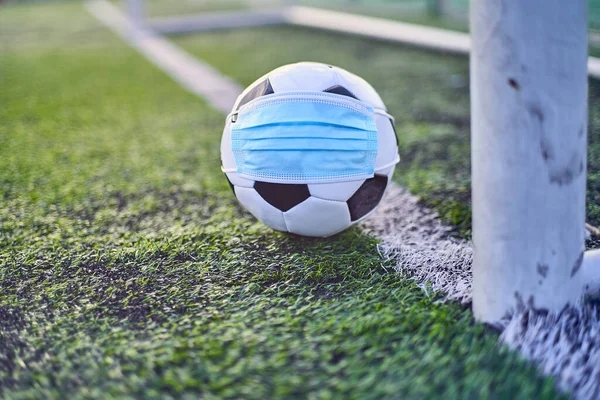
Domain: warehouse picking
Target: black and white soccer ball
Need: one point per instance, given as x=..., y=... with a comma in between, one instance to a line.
x=321, y=209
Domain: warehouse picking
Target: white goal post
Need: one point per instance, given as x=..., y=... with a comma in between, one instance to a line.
x=529, y=139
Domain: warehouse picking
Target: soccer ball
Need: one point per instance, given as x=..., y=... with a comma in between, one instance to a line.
x=313, y=209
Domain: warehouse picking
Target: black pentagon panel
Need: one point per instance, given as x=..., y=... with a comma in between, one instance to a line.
x=261, y=89
x=281, y=195
x=366, y=198
x=337, y=89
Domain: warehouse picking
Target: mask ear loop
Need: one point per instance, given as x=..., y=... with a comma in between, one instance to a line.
x=384, y=113
x=232, y=117
x=390, y=164
x=397, y=159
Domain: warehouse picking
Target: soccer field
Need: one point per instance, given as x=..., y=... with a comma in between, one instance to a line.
x=127, y=269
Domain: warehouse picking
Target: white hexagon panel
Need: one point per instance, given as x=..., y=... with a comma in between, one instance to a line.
x=314, y=209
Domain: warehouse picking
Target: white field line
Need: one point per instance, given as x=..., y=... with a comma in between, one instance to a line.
x=418, y=244
x=194, y=75
x=565, y=345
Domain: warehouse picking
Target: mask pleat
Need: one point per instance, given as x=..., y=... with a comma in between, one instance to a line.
x=301, y=137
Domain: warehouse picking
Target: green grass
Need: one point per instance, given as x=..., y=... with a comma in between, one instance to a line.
x=128, y=270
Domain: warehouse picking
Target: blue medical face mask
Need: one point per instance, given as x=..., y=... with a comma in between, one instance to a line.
x=304, y=137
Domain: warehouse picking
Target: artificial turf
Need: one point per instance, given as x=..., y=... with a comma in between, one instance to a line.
x=127, y=269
